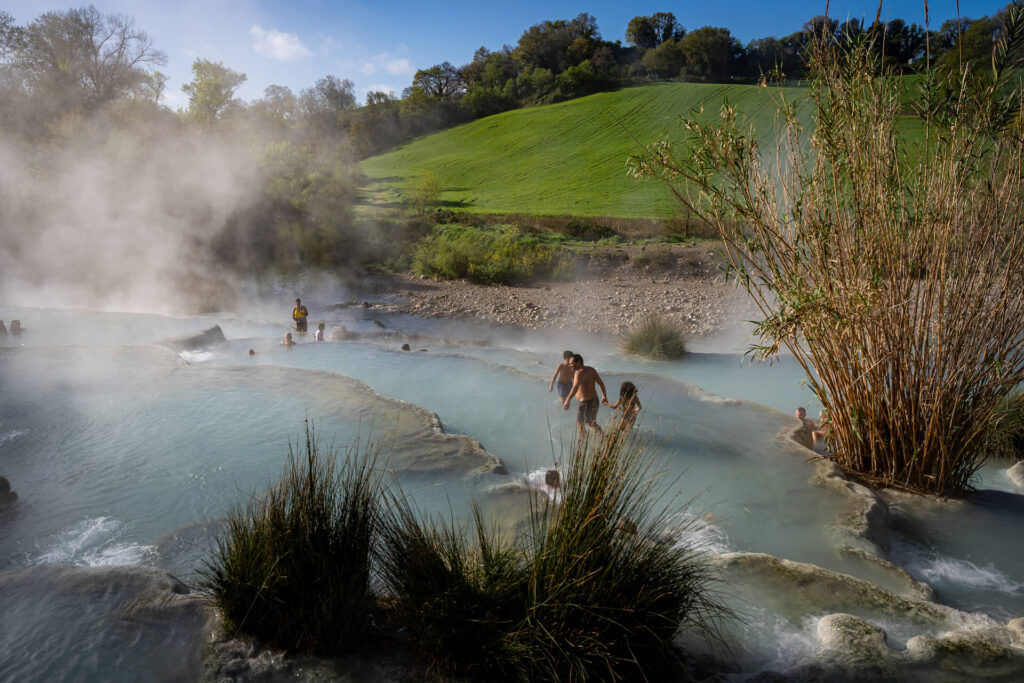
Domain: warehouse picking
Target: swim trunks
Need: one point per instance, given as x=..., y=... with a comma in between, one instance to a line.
x=563, y=389
x=587, y=411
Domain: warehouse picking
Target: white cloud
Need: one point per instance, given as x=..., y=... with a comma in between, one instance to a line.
x=381, y=87
x=392, y=64
x=277, y=45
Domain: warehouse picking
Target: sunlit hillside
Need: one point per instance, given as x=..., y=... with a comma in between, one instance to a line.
x=562, y=159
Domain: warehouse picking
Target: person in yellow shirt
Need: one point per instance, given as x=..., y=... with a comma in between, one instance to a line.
x=299, y=314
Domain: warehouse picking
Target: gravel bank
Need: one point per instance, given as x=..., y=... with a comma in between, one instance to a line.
x=611, y=294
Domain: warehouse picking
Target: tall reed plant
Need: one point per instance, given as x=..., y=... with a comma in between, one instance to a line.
x=886, y=254
x=293, y=566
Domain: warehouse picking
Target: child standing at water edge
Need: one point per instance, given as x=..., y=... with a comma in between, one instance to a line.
x=630, y=404
x=563, y=373
x=299, y=314
x=319, y=336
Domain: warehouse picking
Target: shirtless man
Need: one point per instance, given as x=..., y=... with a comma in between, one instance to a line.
x=583, y=389
x=563, y=373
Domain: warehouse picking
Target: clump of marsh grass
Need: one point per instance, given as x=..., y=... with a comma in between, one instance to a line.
x=655, y=337
x=593, y=592
x=887, y=257
x=293, y=567
x=608, y=593
x=459, y=600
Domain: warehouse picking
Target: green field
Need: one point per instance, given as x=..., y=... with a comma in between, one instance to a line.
x=566, y=159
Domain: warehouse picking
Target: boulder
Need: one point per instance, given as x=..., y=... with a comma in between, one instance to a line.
x=209, y=337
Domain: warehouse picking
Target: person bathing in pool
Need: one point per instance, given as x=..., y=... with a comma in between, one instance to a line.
x=583, y=381
x=630, y=404
x=563, y=374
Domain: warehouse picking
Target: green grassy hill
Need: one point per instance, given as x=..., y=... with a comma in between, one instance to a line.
x=562, y=159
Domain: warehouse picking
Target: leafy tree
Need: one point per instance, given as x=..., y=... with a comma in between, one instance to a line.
x=322, y=105
x=211, y=93
x=666, y=60
x=546, y=45
x=81, y=57
x=970, y=43
x=710, y=53
x=278, y=103
x=151, y=88
x=439, y=81
x=649, y=32
x=423, y=191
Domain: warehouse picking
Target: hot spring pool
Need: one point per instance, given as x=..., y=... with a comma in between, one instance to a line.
x=125, y=452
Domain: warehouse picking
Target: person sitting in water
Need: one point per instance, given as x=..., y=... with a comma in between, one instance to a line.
x=319, y=335
x=563, y=374
x=630, y=404
x=583, y=381
x=299, y=314
x=821, y=433
x=16, y=328
x=801, y=414
x=287, y=341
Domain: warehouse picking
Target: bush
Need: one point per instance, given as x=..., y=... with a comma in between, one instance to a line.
x=656, y=338
x=587, y=230
x=484, y=256
x=293, y=568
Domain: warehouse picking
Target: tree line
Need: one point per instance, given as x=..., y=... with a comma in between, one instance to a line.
x=79, y=74
x=82, y=60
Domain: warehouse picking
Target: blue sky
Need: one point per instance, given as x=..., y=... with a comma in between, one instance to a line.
x=379, y=45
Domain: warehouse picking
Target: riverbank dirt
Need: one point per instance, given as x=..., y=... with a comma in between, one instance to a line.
x=615, y=288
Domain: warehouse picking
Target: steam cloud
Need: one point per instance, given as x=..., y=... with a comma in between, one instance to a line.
x=121, y=220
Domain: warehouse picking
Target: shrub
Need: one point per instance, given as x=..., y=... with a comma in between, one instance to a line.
x=588, y=230
x=656, y=338
x=504, y=256
x=293, y=568
x=886, y=257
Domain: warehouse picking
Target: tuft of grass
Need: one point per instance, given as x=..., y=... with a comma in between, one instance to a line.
x=656, y=338
x=607, y=591
x=459, y=601
x=293, y=567
x=594, y=591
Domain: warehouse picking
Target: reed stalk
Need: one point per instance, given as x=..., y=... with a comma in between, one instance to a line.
x=885, y=252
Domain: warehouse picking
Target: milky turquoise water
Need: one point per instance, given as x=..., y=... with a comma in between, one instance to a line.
x=125, y=452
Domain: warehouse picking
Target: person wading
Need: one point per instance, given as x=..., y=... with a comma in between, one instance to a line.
x=584, y=379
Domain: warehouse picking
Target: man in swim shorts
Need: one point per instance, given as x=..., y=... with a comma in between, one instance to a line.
x=584, y=379
x=563, y=374
x=299, y=314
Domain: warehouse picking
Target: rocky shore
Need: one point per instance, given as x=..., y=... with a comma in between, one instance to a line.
x=614, y=290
